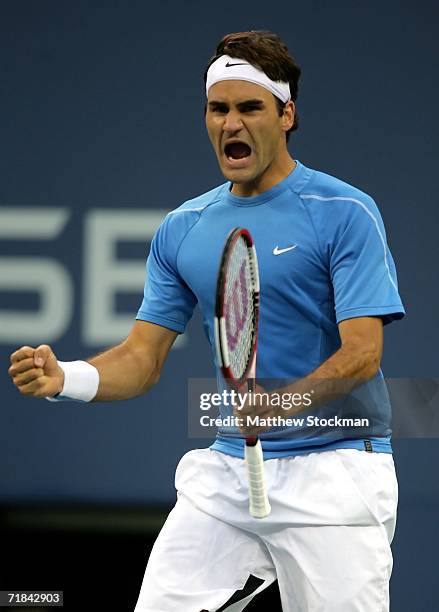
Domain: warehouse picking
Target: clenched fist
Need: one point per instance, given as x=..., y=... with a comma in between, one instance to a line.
x=35, y=371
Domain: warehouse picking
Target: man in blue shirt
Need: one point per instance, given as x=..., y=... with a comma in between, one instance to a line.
x=328, y=285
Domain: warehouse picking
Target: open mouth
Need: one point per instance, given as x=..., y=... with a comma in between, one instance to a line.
x=237, y=150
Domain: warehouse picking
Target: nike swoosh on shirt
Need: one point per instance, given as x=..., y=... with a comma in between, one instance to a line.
x=228, y=65
x=278, y=251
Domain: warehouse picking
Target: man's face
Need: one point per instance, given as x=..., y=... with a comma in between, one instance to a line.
x=247, y=134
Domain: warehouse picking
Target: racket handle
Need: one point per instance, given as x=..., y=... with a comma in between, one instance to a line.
x=257, y=490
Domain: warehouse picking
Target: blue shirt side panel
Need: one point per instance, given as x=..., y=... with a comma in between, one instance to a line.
x=353, y=239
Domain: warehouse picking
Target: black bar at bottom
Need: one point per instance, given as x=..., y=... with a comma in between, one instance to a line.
x=30, y=599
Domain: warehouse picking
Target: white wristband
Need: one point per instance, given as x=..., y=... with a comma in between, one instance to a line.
x=81, y=381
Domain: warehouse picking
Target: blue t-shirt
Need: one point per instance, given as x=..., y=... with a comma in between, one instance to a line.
x=340, y=268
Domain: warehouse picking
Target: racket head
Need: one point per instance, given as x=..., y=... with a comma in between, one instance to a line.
x=237, y=308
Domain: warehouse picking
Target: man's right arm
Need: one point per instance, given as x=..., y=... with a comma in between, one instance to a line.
x=126, y=370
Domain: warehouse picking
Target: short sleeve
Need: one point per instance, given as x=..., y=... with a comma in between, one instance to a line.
x=167, y=300
x=362, y=268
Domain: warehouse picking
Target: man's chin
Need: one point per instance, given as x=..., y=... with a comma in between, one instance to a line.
x=237, y=176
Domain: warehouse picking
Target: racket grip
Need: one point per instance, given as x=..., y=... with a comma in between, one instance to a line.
x=257, y=490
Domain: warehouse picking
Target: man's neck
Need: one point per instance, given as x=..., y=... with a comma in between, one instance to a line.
x=266, y=181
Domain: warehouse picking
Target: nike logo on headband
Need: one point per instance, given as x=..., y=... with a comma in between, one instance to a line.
x=229, y=65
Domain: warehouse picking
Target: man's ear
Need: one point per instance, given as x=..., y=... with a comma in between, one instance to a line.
x=288, y=116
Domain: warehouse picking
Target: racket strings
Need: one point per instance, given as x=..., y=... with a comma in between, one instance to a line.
x=239, y=305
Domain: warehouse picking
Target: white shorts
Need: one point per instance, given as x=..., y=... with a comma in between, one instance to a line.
x=327, y=539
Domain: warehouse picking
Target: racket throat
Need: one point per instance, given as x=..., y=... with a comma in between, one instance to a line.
x=251, y=441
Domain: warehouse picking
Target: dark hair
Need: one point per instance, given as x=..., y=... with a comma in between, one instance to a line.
x=265, y=51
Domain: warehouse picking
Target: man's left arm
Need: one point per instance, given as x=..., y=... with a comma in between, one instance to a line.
x=355, y=362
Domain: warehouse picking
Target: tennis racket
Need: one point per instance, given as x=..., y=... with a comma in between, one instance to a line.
x=236, y=336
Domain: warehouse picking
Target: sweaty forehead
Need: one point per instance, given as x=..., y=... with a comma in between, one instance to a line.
x=236, y=91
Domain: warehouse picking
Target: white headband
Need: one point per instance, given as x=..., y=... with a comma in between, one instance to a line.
x=227, y=68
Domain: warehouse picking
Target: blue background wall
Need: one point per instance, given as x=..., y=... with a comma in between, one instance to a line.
x=102, y=112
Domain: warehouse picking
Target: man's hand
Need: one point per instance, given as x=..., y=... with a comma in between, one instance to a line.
x=254, y=416
x=35, y=371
